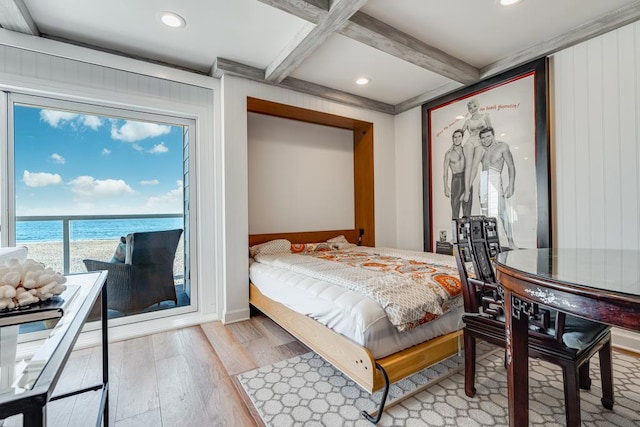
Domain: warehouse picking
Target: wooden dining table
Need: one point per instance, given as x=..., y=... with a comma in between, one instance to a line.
x=596, y=284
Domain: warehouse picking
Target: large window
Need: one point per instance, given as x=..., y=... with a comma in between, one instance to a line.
x=84, y=178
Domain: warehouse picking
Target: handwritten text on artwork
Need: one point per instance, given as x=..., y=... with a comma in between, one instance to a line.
x=494, y=107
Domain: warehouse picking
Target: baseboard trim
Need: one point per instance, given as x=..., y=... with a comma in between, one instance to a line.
x=236, y=316
x=625, y=340
x=91, y=334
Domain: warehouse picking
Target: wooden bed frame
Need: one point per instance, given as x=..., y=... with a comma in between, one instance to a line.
x=349, y=357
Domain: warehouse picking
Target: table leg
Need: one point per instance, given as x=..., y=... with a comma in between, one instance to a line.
x=516, y=313
x=35, y=418
x=105, y=353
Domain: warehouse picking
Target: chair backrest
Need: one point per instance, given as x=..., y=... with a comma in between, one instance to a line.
x=153, y=247
x=475, y=240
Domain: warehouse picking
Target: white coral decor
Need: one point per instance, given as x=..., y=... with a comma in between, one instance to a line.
x=27, y=283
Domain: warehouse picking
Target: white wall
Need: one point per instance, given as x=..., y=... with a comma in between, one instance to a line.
x=300, y=176
x=234, y=138
x=597, y=132
x=409, y=207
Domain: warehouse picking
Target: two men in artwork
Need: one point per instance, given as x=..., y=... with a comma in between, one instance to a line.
x=463, y=161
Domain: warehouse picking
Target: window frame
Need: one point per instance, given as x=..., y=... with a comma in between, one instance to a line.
x=101, y=108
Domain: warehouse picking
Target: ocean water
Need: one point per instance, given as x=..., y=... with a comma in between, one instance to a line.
x=102, y=229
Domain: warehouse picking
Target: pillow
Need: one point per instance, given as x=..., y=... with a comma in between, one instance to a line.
x=338, y=239
x=305, y=248
x=121, y=251
x=279, y=246
x=341, y=243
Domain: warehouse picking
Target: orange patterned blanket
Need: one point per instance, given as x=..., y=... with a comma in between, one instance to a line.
x=412, y=287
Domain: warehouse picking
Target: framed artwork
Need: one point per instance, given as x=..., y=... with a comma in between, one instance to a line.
x=485, y=151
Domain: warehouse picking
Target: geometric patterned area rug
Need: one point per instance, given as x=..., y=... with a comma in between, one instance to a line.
x=307, y=391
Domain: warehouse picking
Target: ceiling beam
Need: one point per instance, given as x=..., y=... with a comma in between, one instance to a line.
x=224, y=66
x=375, y=33
x=306, y=42
x=372, y=32
x=15, y=16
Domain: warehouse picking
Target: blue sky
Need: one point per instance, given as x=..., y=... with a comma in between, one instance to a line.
x=75, y=164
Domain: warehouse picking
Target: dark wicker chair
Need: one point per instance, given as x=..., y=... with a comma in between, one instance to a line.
x=146, y=278
x=554, y=337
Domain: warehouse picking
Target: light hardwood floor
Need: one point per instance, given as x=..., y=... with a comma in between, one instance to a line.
x=180, y=378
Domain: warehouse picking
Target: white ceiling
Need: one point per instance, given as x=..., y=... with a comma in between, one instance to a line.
x=479, y=37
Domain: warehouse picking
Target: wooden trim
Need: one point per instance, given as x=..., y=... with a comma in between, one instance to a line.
x=363, y=184
x=284, y=111
x=304, y=236
x=353, y=360
x=414, y=359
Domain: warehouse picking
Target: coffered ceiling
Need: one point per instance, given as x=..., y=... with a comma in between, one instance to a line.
x=411, y=50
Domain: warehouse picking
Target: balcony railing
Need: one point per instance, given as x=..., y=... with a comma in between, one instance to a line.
x=67, y=220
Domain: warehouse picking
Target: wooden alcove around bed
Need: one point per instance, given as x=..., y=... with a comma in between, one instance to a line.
x=349, y=357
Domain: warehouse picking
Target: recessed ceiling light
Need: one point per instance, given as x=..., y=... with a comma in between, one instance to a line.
x=363, y=81
x=173, y=20
x=508, y=2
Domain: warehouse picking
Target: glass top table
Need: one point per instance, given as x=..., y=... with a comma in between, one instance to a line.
x=596, y=284
x=602, y=269
x=27, y=382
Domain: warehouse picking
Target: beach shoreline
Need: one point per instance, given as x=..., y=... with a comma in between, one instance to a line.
x=51, y=254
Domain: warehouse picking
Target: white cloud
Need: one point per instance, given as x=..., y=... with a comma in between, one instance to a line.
x=169, y=202
x=40, y=179
x=88, y=186
x=159, y=149
x=149, y=182
x=92, y=122
x=137, y=147
x=57, y=158
x=132, y=131
x=55, y=118
x=106, y=151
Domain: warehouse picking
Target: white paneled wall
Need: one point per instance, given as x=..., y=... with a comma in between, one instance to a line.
x=32, y=70
x=596, y=98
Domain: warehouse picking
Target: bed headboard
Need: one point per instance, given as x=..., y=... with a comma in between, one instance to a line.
x=304, y=236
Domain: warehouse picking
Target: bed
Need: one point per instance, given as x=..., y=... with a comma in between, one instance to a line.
x=371, y=366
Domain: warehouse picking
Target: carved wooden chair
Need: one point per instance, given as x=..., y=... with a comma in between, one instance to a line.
x=555, y=337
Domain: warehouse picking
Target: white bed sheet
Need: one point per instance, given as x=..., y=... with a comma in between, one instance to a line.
x=353, y=315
